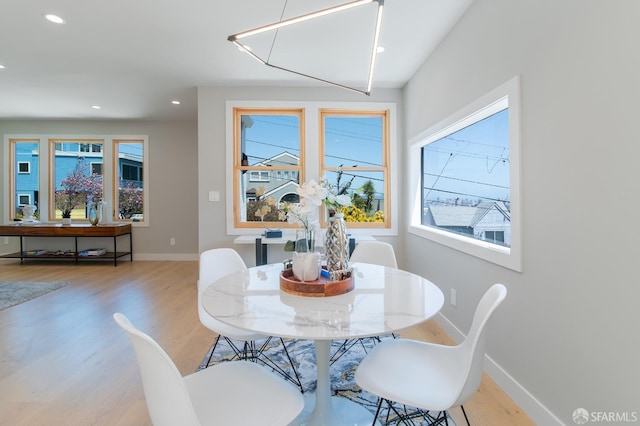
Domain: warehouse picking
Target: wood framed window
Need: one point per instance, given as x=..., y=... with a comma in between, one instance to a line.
x=354, y=157
x=130, y=187
x=24, y=187
x=268, y=162
x=72, y=183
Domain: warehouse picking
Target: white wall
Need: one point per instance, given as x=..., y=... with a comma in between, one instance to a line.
x=568, y=331
x=173, y=179
x=213, y=143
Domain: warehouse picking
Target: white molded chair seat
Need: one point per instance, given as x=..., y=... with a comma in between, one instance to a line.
x=230, y=393
x=430, y=376
x=215, y=264
x=377, y=253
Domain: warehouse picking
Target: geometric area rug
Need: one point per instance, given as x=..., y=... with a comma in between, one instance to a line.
x=341, y=371
x=15, y=292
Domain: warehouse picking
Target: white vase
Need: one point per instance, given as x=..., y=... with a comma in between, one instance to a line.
x=66, y=221
x=306, y=266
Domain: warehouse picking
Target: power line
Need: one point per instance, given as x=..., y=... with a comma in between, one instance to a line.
x=472, y=142
x=466, y=180
x=468, y=155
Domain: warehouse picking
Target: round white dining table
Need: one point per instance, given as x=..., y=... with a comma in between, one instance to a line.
x=384, y=300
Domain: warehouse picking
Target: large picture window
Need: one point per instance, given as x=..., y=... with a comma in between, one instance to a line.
x=355, y=159
x=466, y=170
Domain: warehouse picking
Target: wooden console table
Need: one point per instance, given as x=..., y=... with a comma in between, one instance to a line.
x=75, y=231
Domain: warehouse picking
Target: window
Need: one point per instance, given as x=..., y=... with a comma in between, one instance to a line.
x=494, y=236
x=78, y=162
x=129, y=181
x=96, y=168
x=259, y=176
x=24, y=199
x=355, y=159
x=73, y=185
x=93, y=147
x=466, y=172
x=131, y=172
x=266, y=142
x=24, y=186
x=24, y=167
x=465, y=178
x=277, y=145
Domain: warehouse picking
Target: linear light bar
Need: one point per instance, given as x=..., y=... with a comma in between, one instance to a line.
x=297, y=19
x=235, y=37
x=374, y=49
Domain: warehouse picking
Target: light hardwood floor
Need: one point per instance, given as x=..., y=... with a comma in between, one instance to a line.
x=64, y=361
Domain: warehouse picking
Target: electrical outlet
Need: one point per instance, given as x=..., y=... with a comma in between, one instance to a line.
x=172, y=241
x=453, y=299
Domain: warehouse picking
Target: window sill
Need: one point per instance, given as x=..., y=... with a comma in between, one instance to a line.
x=502, y=256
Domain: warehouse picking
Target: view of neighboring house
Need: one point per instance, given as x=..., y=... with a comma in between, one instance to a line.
x=488, y=220
x=67, y=155
x=280, y=185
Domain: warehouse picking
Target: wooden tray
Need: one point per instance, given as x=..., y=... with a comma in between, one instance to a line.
x=319, y=288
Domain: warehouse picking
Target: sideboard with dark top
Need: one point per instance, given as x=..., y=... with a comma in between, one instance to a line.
x=75, y=231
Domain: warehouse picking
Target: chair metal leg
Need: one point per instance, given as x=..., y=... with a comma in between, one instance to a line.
x=465, y=415
x=377, y=411
x=293, y=366
x=215, y=343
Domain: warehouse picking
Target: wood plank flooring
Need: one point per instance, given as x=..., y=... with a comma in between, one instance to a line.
x=64, y=361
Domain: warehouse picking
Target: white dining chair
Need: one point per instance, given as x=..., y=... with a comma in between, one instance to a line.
x=377, y=253
x=428, y=376
x=229, y=393
x=214, y=264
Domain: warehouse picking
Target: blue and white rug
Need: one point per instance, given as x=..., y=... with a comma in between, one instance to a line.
x=303, y=355
x=15, y=292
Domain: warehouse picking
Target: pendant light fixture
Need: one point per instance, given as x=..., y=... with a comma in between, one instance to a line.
x=236, y=39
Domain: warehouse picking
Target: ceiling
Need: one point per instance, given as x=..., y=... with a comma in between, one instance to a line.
x=132, y=58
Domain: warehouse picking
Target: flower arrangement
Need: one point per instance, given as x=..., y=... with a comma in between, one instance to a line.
x=313, y=194
x=322, y=193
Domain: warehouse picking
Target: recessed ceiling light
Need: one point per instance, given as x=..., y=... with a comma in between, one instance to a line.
x=96, y=106
x=380, y=49
x=54, y=18
x=1, y=67
x=175, y=102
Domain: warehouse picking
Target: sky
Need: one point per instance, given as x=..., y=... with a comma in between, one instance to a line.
x=350, y=141
x=472, y=163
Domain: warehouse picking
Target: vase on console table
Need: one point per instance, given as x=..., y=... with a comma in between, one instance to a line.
x=66, y=218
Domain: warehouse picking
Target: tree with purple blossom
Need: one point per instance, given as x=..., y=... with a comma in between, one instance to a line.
x=130, y=200
x=78, y=188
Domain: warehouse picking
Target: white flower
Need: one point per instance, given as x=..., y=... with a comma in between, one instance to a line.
x=343, y=200
x=312, y=192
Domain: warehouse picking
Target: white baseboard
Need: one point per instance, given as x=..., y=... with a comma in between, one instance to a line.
x=165, y=257
x=525, y=400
